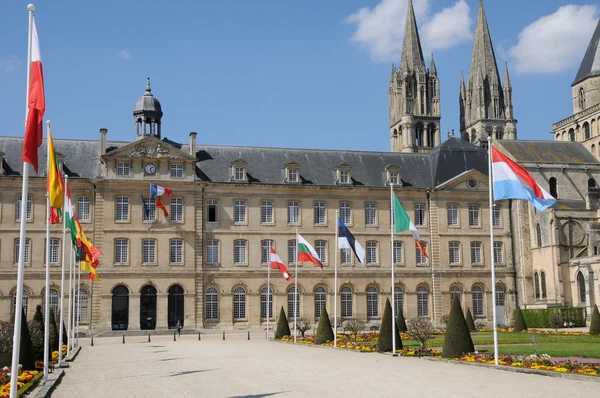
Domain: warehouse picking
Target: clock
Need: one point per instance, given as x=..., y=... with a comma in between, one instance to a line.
x=150, y=168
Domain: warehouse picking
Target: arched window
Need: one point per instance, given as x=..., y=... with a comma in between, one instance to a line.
x=553, y=190
x=422, y=100
x=24, y=301
x=53, y=301
x=538, y=234
x=581, y=284
x=581, y=99
x=266, y=301
x=82, y=312
x=398, y=300
x=320, y=300
x=212, y=304
x=346, y=300
x=571, y=135
x=557, y=136
x=120, y=308
x=293, y=305
x=422, y=301
x=431, y=135
x=239, y=304
x=593, y=149
x=586, y=130
x=499, y=134
x=591, y=183
x=454, y=294
x=543, y=280
x=536, y=282
x=419, y=129
x=477, y=294
x=372, y=302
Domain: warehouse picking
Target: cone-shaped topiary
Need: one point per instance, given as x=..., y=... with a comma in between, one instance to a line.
x=324, y=329
x=458, y=339
x=64, y=334
x=401, y=322
x=470, y=321
x=283, y=326
x=36, y=330
x=595, y=322
x=38, y=316
x=520, y=324
x=384, y=344
x=53, y=334
x=26, y=357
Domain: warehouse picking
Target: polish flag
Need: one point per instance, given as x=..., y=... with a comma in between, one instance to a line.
x=36, y=106
x=276, y=263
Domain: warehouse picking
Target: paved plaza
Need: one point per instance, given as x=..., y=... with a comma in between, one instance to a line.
x=257, y=368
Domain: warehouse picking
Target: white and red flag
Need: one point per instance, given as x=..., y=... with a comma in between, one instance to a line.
x=276, y=263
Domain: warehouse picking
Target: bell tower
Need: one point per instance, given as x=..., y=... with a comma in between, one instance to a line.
x=147, y=115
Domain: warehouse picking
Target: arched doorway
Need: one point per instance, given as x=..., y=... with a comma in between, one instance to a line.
x=120, y=308
x=148, y=308
x=175, y=306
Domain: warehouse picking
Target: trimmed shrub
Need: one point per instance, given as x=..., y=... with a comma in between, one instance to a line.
x=384, y=344
x=38, y=316
x=458, y=339
x=65, y=338
x=26, y=357
x=470, y=321
x=36, y=328
x=542, y=317
x=595, y=323
x=324, y=329
x=520, y=323
x=401, y=322
x=53, y=334
x=283, y=326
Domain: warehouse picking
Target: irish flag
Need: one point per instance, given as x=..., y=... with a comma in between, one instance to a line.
x=69, y=216
x=276, y=263
x=402, y=222
x=306, y=253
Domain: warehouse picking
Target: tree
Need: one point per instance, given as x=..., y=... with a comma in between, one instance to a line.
x=6, y=340
x=556, y=320
x=36, y=327
x=520, y=324
x=401, y=322
x=53, y=334
x=384, y=344
x=324, y=330
x=303, y=325
x=354, y=326
x=470, y=321
x=420, y=329
x=283, y=327
x=26, y=357
x=338, y=324
x=595, y=322
x=458, y=339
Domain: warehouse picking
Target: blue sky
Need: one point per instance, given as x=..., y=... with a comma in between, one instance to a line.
x=309, y=74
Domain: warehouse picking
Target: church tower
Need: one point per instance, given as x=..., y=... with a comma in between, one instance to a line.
x=414, y=96
x=486, y=106
x=148, y=115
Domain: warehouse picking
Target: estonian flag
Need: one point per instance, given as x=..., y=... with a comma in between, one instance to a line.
x=346, y=241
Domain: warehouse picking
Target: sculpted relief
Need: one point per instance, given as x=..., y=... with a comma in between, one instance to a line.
x=152, y=151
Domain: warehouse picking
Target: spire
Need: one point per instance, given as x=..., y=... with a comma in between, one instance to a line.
x=412, y=54
x=483, y=58
x=463, y=88
x=506, y=82
x=432, y=68
x=148, y=89
x=590, y=65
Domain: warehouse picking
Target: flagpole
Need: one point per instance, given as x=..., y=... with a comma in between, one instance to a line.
x=392, y=261
x=62, y=276
x=296, y=288
x=78, y=302
x=490, y=185
x=335, y=263
x=70, y=299
x=73, y=255
x=268, y=290
x=47, y=292
x=14, y=376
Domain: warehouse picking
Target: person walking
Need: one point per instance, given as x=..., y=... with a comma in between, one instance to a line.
x=178, y=327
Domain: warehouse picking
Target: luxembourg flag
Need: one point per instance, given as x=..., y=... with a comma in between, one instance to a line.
x=512, y=181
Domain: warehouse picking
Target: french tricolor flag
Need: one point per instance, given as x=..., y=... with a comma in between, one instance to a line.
x=512, y=181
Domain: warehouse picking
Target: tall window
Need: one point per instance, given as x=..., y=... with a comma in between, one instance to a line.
x=473, y=216
x=212, y=207
x=538, y=234
x=372, y=302
x=344, y=177
x=266, y=212
x=320, y=300
x=293, y=303
x=477, y=294
x=27, y=251
x=419, y=215
x=536, y=282
x=82, y=314
x=176, y=251
x=239, y=210
x=148, y=251
x=54, y=245
x=239, y=174
x=345, y=212
x=581, y=99
x=292, y=252
x=212, y=252
x=498, y=257
x=394, y=177
x=496, y=211
x=123, y=169
x=421, y=259
x=454, y=252
x=452, y=215
x=293, y=212
x=586, y=130
x=346, y=300
x=24, y=302
x=455, y=293
x=122, y=209
x=28, y=208
x=398, y=254
x=265, y=251
x=476, y=253
x=292, y=175
x=83, y=208
x=266, y=303
x=121, y=251
x=543, y=280
x=346, y=256
x=319, y=213
x=239, y=251
x=553, y=189
x=177, y=170
x=53, y=302
x=321, y=249
x=422, y=301
x=239, y=304
x=398, y=300
x=212, y=304
x=581, y=283
x=371, y=252
x=150, y=207
x=176, y=210
x=370, y=214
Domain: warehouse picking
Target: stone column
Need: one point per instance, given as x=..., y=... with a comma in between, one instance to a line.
x=134, y=312
x=162, y=310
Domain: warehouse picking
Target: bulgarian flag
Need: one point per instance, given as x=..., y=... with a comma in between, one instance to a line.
x=307, y=253
x=276, y=263
x=54, y=184
x=402, y=222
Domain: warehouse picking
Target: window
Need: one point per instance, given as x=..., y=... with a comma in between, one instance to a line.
x=122, y=209
x=293, y=303
x=452, y=215
x=345, y=212
x=496, y=211
x=239, y=304
x=149, y=209
x=265, y=251
x=26, y=253
x=586, y=130
x=421, y=258
x=213, y=210
x=553, y=190
x=123, y=169
x=572, y=135
x=419, y=215
x=498, y=258
x=239, y=174
x=371, y=252
x=346, y=256
x=319, y=213
x=321, y=249
x=266, y=212
x=176, y=251
x=581, y=283
x=344, y=177
x=394, y=177
x=346, y=300
x=83, y=208
x=293, y=212
x=476, y=253
x=82, y=314
x=398, y=254
x=320, y=300
x=292, y=175
x=455, y=293
x=53, y=302
x=398, y=300
x=454, y=252
x=477, y=294
x=177, y=171
x=538, y=234
x=473, y=216
x=543, y=280
x=292, y=254
x=24, y=302
x=266, y=302
x=370, y=214
x=54, y=245
x=581, y=99
x=176, y=210
x=372, y=302
x=148, y=251
x=536, y=282
x=212, y=252
x=121, y=251
x=239, y=252
x=29, y=207
x=422, y=301
x=500, y=298
x=239, y=211
x=212, y=304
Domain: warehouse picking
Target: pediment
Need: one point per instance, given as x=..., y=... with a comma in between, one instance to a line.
x=464, y=182
x=149, y=148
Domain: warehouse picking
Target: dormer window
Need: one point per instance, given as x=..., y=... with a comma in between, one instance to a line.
x=344, y=177
x=292, y=173
x=123, y=169
x=343, y=174
x=393, y=175
x=238, y=168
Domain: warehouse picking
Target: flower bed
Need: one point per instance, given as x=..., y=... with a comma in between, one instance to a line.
x=27, y=379
x=420, y=353
x=538, y=362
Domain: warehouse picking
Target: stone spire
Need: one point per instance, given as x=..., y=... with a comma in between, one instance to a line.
x=412, y=54
x=432, y=68
x=590, y=65
x=506, y=77
x=483, y=58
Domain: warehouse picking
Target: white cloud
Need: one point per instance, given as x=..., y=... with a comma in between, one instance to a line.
x=124, y=54
x=555, y=42
x=9, y=65
x=380, y=30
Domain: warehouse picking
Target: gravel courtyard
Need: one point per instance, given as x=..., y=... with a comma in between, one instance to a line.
x=257, y=368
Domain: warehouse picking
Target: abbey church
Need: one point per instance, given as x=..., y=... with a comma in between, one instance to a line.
x=205, y=263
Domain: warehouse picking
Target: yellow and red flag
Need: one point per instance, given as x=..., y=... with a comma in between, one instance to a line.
x=54, y=185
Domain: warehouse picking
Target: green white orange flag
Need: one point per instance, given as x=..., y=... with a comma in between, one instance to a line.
x=69, y=216
x=307, y=253
x=402, y=222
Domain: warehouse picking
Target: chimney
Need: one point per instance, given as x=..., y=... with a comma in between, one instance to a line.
x=193, y=143
x=103, y=133
x=1, y=163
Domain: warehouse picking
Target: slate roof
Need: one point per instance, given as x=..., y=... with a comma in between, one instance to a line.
x=560, y=152
x=590, y=65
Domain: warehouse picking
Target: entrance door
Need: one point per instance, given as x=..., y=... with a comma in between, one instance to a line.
x=120, y=308
x=500, y=307
x=148, y=308
x=175, y=306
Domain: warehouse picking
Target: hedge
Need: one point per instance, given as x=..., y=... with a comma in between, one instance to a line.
x=540, y=318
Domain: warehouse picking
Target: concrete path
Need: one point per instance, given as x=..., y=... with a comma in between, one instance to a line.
x=257, y=368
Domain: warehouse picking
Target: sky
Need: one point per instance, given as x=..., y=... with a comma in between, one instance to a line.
x=304, y=74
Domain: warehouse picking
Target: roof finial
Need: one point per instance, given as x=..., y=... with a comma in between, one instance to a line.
x=148, y=90
x=452, y=132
